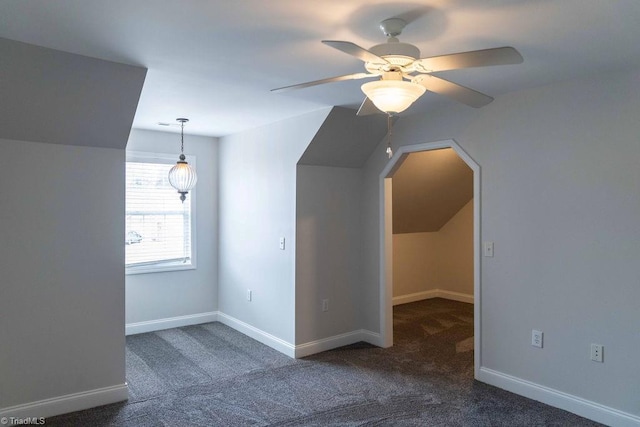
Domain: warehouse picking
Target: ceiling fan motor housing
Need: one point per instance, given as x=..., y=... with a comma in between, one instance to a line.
x=396, y=49
x=396, y=53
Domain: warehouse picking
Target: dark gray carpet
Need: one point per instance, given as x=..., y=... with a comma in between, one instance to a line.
x=211, y=375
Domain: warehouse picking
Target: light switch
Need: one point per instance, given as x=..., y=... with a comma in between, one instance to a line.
x=282, y=243
x=488, y=249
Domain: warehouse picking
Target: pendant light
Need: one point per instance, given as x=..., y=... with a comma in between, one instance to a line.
x=182, y=176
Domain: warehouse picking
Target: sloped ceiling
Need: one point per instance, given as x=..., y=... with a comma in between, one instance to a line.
x=62, y=98
x=429, y=188
x=344, y=139
x=215, y=61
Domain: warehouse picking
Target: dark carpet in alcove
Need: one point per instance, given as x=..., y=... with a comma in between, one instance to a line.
x=211, y=375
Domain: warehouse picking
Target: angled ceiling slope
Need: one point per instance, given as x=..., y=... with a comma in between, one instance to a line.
x=429, y=188
x=62, y=98
x=344, y=139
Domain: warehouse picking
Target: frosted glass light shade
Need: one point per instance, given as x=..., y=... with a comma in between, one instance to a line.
x=182, y=177
x=392, y=96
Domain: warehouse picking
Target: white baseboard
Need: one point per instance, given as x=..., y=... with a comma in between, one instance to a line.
x=302, y=350
x=68, y=403
x=170, y=322
x=265, y=338
x=418, y=296
x=336, y=341
x=577, y=405
x=433, y=293
x=373, y=338
x=455, y=296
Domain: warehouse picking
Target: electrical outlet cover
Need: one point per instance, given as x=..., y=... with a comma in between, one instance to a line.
x=537, y=338
x=597, y=353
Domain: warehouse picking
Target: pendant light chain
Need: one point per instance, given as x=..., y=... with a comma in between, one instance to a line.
x=182, y=137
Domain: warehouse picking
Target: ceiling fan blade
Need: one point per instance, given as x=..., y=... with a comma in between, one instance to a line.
x=327, y=80
x=355, y=50
x=453, y=90
x=367, y=108
x=475, y=58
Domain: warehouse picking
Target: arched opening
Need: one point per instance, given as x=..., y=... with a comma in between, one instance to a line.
x=449, y=155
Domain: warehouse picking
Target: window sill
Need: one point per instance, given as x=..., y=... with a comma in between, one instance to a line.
x=146, y=269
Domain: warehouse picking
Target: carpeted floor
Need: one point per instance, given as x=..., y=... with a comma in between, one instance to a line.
x=211, y=375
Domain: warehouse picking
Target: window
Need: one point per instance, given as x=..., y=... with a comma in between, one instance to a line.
x=159, y=227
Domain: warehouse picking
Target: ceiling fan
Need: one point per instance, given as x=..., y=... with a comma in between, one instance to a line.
x=404, y=76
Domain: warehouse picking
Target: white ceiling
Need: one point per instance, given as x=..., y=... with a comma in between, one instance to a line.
x=215, y=61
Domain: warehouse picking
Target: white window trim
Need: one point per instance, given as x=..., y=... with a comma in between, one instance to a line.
x=142, y=156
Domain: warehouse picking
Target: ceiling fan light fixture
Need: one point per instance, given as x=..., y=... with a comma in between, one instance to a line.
x=392, y=96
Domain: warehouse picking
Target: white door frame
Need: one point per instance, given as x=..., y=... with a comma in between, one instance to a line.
x=386, y=242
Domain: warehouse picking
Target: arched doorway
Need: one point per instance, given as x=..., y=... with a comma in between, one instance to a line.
x=386, y=239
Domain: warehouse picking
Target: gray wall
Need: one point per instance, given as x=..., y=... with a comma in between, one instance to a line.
x=156, y=296
x=61, y=227
x=416, y=263
x=257, y=202
x=560, y=200
x=328, y=251
x=440, y=259
x=456, y=252
x=62, y=264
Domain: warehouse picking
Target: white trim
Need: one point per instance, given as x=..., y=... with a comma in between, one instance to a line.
x=294, y=351
x=456, y=296
x=160, y=268
x=373, y=338
x=386, y=237
x=68, y=403
x=336, y=341
x=251, y=331
x=433, y=293
x=577, y=405
x=148, y=156
x=386, y=261
x=170, y=322
x=417, y=296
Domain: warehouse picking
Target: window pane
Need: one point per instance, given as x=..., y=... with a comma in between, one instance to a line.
x=158, y=224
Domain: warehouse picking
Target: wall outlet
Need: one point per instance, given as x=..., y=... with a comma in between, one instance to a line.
x=536, y=338
x=597, y=353
x=325, y=305
x=248, y=294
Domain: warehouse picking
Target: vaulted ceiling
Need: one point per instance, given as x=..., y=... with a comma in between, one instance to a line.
x=215, y=61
